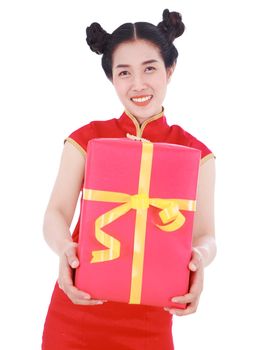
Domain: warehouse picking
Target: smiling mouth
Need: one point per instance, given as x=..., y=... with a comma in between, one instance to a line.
x=141, y=100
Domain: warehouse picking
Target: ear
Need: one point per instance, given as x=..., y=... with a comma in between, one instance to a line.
x=170, y=71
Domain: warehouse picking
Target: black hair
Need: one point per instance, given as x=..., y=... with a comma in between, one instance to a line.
x=161, y=35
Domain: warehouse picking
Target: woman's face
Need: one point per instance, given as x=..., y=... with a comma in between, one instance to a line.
x=140, y=78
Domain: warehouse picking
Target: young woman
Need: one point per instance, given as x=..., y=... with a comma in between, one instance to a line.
x=139, y=59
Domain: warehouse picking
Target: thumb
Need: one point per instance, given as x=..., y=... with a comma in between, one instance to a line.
x=71, y=255
x=196, y=260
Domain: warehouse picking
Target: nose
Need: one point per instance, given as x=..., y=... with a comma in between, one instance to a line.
x=138, y=83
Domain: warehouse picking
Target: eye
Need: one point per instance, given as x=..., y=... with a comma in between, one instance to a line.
x=124, y=73
x=150, y=69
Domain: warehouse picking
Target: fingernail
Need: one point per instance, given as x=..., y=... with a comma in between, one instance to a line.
x=175, y=300
x=99, y=302
x=74, y=263
x=171, y=311
x=87, y=296
x=193, y=267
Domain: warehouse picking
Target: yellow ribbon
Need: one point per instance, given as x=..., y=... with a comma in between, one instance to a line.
x=140, y=202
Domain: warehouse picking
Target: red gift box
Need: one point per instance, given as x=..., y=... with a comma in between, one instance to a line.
x=137, y=214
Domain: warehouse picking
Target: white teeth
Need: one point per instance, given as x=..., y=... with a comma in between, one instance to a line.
x=142, y=99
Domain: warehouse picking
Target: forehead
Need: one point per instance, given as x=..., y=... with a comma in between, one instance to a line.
x=135, y=52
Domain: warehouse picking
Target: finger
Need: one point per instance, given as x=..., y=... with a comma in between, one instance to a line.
x=65, y=274
x=74, y=292
x=185, y=299
x=191, y=308
x=196, y=282
x=65, y=282
x=184, y=312
x=81, y=298
x=196, y=260
x=91, y=302
x=77, y=296
x=72, y=257
x=65, y=278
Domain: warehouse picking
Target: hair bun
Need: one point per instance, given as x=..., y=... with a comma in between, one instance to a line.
x=97, y=38
x=172, y=25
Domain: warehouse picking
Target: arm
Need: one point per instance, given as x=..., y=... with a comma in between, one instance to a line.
x=58, y=218
x=204, y=246
x=204, y=226
x=63, y=199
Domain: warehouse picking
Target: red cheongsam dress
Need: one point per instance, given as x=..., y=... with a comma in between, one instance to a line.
x=113, y=325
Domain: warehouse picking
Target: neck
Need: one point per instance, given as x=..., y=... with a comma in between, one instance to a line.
x=141, y=120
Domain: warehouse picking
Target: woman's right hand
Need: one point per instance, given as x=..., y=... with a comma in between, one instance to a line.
x=68, y=261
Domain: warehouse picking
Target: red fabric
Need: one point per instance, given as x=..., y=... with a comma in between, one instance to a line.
x=116, y=326
x=157, y=130
x=111, y=326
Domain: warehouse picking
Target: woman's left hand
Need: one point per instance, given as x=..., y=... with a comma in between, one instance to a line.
x=196, y=286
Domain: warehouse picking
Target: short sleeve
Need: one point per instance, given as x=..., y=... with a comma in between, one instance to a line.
x=189, y=140
x=206, y=153
x=80, y=138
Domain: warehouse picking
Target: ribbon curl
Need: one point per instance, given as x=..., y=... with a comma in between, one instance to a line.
x=171, y=211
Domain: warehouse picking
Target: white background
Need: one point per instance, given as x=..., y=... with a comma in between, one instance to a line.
x=51, y=84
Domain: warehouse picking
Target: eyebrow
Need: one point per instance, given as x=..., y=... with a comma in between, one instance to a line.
x=143, y=63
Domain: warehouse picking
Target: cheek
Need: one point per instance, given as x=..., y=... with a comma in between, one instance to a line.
x=157, y=80
x=120, y=87
x=161, y=85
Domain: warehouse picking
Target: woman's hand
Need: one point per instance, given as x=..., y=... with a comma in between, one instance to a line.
x=67, y=262
x=196, y=286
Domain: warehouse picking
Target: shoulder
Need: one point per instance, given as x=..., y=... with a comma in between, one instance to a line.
x=183, y=137
x=81, y=136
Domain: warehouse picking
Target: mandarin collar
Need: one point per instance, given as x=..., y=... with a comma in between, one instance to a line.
x=152, y=128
